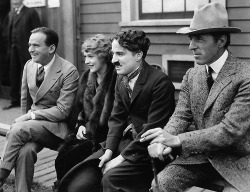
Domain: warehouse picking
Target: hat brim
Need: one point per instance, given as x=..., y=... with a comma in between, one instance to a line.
x=188, y=31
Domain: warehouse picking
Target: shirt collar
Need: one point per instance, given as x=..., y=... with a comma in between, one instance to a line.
x=218, y=64
x=19, y=9
x=47, y=67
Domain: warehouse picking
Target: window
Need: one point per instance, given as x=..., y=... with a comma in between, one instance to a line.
x=176, y=67
x=136, y=10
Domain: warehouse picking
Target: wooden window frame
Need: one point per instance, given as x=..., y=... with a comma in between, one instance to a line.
x=165, y=64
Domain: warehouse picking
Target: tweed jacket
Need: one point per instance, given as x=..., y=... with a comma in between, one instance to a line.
x=151, y=105
x=25, y=22
x=221, y=118
x=52, y=102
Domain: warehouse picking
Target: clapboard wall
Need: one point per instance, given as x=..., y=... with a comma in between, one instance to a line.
x=103, y=16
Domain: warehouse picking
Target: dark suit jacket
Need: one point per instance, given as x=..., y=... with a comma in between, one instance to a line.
x=152, y=103
x=53, y=101
x=222, y=121
x=26, y=21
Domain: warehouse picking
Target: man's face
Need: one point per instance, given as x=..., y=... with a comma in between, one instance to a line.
x=16, y=3
x=39, y=51
x=124, y=60
x=204, y=48
x=94, y=62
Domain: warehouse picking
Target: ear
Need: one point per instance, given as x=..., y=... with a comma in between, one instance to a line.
x=52, y=48
x=222, y=41
x=139, y=56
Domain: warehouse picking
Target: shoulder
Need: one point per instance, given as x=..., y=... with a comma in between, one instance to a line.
x=29, y=63
x=154, y=73
x=66, y=65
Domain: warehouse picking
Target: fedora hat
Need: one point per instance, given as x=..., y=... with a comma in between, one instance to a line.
x=212, y=17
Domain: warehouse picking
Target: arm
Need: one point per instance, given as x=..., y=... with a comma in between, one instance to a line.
x=117, y=121
x=34, y=19
x=161, y=108
x=178, y=123
x=26, y=99
x=233, y=125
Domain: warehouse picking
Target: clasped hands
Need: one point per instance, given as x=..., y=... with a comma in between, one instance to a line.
x=161, y=142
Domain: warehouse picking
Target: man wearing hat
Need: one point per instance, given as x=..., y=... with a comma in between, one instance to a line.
x=215, y=95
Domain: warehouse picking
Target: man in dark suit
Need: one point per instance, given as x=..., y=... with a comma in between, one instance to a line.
x=144, y=98
x=4, y=10
x=48, y=91
x=21, y=21
x=215, y=95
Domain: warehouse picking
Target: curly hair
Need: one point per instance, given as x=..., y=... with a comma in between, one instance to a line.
x=134, y=40
x=98, y=44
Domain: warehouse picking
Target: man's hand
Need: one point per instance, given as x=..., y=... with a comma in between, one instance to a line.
x=167, y=139
x=105, y=157
x=158, y=150
x=112, y=163
x=22, y=118
x=151, y=134
x=157, y=135
x=81, y=132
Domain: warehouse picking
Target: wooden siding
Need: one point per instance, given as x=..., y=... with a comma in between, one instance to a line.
x=103, y=16
x=99, y=16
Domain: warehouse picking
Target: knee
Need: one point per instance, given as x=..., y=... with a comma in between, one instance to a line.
x=164, y=183
x=28, y=151
x=17, y=130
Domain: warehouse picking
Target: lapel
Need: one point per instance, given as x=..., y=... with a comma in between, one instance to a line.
x=18, y=16
x=200, y=93
x=140, y=82
x=222, y=80
x=53, y=74
x=10, y=19
x=124, y=94
x=31, y=76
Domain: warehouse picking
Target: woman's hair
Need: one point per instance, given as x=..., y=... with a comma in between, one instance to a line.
x=134, y=40
x=98, y=44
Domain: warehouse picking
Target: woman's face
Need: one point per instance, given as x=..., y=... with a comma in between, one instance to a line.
x=94, y=62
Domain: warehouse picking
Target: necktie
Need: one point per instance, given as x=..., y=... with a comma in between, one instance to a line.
x=40, y=76
x=126, y=80
x=210, y=80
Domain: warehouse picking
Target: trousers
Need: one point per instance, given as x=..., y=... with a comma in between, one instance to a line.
x=23, y=142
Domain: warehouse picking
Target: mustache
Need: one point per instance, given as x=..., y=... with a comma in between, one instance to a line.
x=116, y=64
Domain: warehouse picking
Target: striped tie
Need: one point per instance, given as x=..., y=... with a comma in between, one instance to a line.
x=40, y=76
x=126, y=80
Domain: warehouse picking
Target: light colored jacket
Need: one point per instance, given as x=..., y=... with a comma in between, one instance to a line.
x=221, y=118
x=53, y=101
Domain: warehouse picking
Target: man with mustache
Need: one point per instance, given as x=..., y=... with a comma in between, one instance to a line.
x=215, y=95
x=144, y=98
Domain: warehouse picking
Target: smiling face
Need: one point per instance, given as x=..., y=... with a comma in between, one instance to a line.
x=39, y=51
x=124, y=60
x=205, y=49
x=95, y=63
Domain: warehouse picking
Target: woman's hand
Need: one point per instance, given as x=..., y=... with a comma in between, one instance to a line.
x=81, y=132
